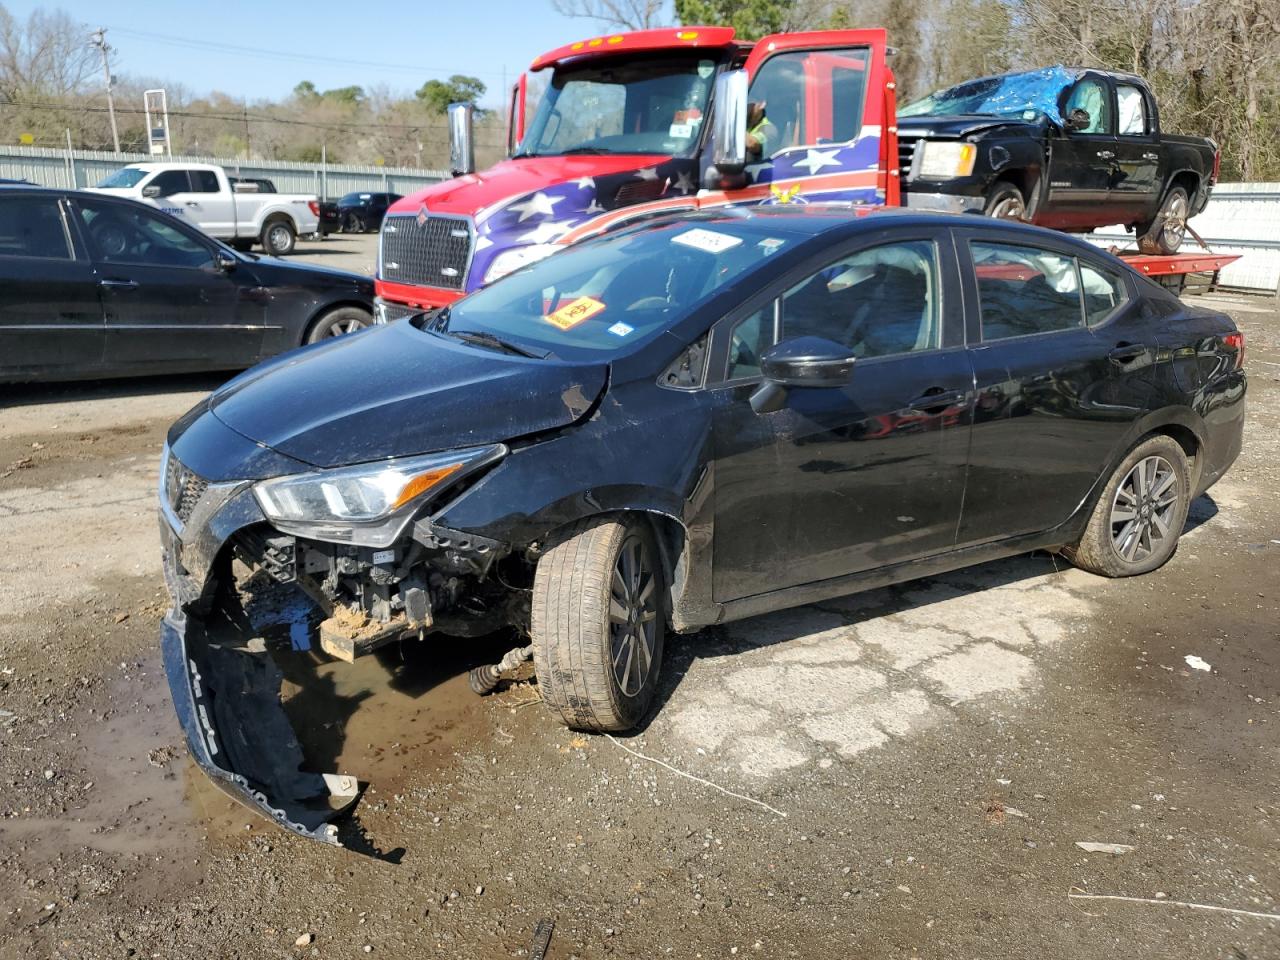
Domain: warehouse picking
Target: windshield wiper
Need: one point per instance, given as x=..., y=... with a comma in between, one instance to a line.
x=595, y=151
x=482, y=339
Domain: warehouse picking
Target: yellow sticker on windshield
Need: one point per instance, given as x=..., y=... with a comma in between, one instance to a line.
x=572, y=314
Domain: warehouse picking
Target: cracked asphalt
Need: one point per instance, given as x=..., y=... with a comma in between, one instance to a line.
x=927, y=755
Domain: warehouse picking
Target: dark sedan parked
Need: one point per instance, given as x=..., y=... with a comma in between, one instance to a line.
x=687, y=422
x=96, y=286
x=358, y=212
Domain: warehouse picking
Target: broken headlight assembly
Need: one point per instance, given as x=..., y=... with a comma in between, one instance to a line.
x=367, y=504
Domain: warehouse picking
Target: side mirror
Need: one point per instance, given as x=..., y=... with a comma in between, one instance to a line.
x=151, y=191
x=515, y=114
x=730, y=129
x=462, y=148
x=1077, y=119
x=224, y=261
x=798, y=363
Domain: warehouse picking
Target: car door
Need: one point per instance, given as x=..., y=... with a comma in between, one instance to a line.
x=1136, y=189
x=209, y=206
x=1082, y=163
x=844, y=479
x=168, y=302
x=1053, y=397
x=51, y=321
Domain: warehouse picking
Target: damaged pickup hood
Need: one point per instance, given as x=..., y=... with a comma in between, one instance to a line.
x=957, y=127
x=397, y=391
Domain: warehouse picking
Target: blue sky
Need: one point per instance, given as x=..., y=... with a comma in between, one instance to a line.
x=399, y=44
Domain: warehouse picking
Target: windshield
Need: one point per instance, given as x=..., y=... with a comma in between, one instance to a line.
x=1027, y=95
x=603, y=296
x=128, y=177
x=647, y=105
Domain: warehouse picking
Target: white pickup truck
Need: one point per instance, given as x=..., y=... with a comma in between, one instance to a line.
x=201, y=194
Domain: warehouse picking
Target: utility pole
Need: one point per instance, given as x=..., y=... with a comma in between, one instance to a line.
x=99, y=40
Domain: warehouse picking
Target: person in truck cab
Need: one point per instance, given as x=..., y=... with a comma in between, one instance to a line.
x=762, y=136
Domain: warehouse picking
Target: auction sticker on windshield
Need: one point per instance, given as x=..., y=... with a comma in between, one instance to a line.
x=707, y=240
x=572, y=314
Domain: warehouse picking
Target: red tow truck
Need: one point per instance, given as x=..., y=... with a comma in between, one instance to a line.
x=637, y=124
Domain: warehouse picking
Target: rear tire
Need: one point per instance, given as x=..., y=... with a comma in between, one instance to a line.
x=279, y=238
x=1164, y=234
x=598, y=623
x=1005, y=202
x=338, y=323
x=1135, y=524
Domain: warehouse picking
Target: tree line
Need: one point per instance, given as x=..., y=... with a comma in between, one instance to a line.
x=1214, y=65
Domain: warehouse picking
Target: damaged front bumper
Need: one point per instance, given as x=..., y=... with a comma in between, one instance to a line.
x=228, y=702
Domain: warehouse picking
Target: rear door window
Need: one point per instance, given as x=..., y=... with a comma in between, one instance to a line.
x=1132, y=110
x=204, y=181
x=1103, y=289
x=32, y=227
x=1025, y=290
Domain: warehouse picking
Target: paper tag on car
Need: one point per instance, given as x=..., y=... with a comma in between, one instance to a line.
x=707, y=240
x=621, y=329
x=682, y=130
x=572, y=314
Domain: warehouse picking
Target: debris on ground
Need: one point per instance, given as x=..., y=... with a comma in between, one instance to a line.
x=1115, y=849
x=1195, y=663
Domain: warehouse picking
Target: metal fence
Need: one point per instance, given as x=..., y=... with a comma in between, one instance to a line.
x=86, y=168
x=1241, y=218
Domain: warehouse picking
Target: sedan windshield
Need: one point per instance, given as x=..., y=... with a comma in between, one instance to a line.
x=610, y=294
x=128, y=177
x=1027, y=95
x=645, y=105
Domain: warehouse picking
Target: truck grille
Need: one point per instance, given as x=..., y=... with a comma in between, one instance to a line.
x=433, y=251
x=182, y=488
x=906, y=154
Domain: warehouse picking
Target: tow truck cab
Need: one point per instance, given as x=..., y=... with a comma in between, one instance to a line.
x=634, y=124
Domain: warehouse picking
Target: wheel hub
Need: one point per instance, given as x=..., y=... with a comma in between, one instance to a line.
x=1144, y=509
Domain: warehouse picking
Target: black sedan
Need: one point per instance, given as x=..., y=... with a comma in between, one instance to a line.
x=96, y=286
x=687, y=422
x=358, y=212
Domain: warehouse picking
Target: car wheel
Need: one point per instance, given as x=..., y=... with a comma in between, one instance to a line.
x=1164, y=234
x=598, y=624
x=338, y=323
x=279, y=238
x=1005, y=202
x=352, y=224
x=1139, y=516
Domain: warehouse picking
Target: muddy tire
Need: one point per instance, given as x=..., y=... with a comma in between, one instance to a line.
x=278, y=237
x=1005, y=202
x=1164, y=234
x=338, y=323
x=1135, y=524
x=598, y=623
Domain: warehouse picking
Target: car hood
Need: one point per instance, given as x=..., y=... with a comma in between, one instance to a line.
x=397, y=391
x=277, y=270
x=960, y=126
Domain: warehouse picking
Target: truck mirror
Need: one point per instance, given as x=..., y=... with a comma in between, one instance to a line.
x=515, y=114
x=731, y=122
x=462, y=148
x=151, y=191
x=1078, y=119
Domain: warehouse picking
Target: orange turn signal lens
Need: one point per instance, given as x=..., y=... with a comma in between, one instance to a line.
x=424, y=482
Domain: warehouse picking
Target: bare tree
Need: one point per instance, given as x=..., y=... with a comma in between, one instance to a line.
x=618, y=14
x=48, y=55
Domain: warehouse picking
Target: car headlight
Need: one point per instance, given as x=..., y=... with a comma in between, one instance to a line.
x=368, y=504
x=510, y=261
x=942, y=160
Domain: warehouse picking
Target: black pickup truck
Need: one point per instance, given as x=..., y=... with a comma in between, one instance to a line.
x=1066, y=148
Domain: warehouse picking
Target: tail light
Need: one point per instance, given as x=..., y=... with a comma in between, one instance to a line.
x=314, y=207
x=1235, y=341
x=1217, y=165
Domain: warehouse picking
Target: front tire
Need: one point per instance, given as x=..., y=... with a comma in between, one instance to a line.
x=1135, y=524
x=1164, y=234
x=598, y=623
x=338, y=323
x=1005, y=202
x=279, y=238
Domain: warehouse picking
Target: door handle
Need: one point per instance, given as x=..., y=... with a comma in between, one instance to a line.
x=935, y=399
x=1151, y=156
x=1127, y=352
x=119, y=284
x=1106, y=155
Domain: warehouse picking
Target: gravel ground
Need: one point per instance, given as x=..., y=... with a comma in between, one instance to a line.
x=903, y=773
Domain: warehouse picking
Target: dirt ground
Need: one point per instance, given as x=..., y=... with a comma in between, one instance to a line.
x=903, y=773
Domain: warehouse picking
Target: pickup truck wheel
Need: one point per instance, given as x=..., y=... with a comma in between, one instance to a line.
x=338, y=323
x=1139, y=516
x=598, y=625
x=1164, y=234
x=279, y=238
x=1005, y=202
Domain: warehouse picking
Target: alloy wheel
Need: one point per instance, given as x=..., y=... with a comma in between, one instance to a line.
x=341, y=328
x=1144, y=509
x=1175, y=220
x=633, y=616
x=1012, y=207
